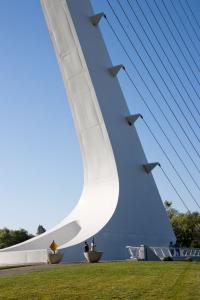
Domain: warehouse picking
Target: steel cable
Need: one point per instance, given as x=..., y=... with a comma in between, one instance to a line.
x=180, y=19
x=147, y=124
x=197, y=123
x=171, y=48
x=167, y=157
x=155, y=101
x=171, y=65
x=179, y=33
x=193, y=15
x=152, y=79
x=170, y=182
x=158, y=124
x=188, y=64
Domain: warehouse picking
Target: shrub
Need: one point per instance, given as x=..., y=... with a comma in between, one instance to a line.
x=168, y=258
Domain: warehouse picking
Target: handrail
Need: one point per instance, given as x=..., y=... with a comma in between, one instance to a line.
x=163, y=252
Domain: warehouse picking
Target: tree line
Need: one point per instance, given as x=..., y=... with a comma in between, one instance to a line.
x=186, y=227
x=9, y=237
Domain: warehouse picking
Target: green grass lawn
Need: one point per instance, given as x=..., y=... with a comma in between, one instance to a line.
x=116, y=280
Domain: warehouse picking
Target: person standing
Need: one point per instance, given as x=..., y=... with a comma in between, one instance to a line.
x=86, y=247
x=177, y=248
x=93, y=246
x=171, y=248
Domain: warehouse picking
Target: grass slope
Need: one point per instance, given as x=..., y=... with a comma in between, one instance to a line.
x=116, y=280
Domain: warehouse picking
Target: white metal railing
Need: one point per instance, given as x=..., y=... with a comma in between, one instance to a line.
x=163, y=252
x=190, y=252
x=133, y=251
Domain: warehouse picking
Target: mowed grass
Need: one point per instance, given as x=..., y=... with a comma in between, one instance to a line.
x=116, y=280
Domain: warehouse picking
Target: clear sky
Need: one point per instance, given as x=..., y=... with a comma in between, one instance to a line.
x=40, y=165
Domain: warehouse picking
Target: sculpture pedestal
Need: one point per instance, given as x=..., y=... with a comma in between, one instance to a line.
x=93, y=256
x=55, y=258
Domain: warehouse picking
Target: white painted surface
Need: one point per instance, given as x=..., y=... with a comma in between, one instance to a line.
x=111, y=151
x=23, y=257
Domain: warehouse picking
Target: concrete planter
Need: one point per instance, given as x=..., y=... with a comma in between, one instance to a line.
x=55, y=258
x=93, y=256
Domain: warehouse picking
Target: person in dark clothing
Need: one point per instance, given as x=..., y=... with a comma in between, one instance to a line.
x=86, y=247
x=171, y=248
x=177, y=248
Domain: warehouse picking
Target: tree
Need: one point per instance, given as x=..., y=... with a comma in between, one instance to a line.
x=186, y=226
x=12, y=237
x=187, y=229
x=40, y=229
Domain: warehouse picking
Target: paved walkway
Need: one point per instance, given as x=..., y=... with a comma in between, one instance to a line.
x=28, y=269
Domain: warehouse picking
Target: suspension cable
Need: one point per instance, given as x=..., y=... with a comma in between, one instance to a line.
x=147, y=124
x=170, y=182
x=167, y=157
x=171, y=48
x=167, y=57
x=152, y=78
x=158, y=124
x=180, y=35
x=185, y=28
x=161, y=61
x=188, y=64
x=113, y=31
x=154, y=83
x=174, y=131
x=193, y=15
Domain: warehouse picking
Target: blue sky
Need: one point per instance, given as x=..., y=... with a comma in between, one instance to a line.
x=40, y=164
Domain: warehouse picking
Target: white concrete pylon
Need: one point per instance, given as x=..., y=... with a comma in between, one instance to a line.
x=133, y=118
x=115, y=69
x=95, y=19
x=119, y=204
x=149, y=167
